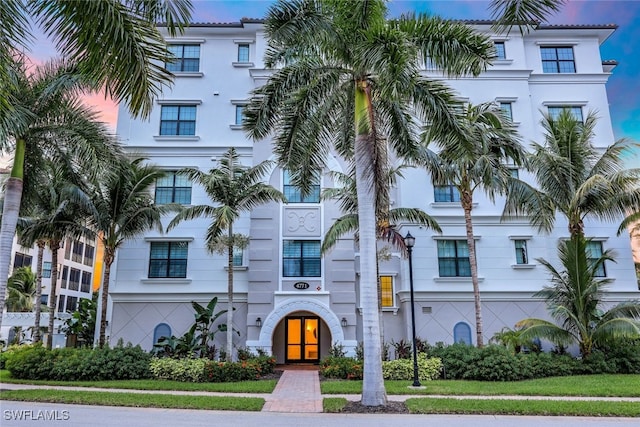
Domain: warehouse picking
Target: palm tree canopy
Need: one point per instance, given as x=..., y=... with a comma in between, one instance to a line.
x=324, y=47
x=124, y=204
x=525, y=14
x=574, y=177
x=575, y=300
x=22, y=289
x=234, y=189
x=113, y=44
x=477, y=155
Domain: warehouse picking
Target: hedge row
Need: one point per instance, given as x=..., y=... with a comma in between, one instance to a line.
x=204, y=370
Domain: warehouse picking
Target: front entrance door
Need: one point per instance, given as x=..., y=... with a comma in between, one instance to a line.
x=303, y=338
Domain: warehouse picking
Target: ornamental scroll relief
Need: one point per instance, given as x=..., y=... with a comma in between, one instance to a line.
x=301, y=222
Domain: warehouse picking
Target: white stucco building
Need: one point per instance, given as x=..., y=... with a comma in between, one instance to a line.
x=288, y=299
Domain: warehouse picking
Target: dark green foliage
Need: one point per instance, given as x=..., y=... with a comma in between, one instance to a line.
x=346, y=368
x=250, y=369
x=456, y=358
x=624, y=354
x=337, y=350
x=82, y=322
x=402, y=348
x=69, y=364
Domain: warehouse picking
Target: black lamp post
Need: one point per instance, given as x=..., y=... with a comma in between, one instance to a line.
x=410, y=241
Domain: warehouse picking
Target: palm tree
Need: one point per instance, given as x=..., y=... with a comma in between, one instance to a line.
x=234, y=189
x=124, y=208
x=112, y=45
x=474, y=158
x=47, y=121
x=60, y=210
x=575, y=300
x=348, y=78
x=525, y=14
x=574, y=178
x=22, y=289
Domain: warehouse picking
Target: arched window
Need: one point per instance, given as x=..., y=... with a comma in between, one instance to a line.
x=462, y=333
x=162, y=330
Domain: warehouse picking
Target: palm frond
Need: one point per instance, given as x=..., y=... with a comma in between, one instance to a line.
x=524, y=14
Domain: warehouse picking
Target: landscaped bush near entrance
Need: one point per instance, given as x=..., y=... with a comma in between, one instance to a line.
x=203, y=370
x=402, y=369
x=345, y=368
x=74, y=364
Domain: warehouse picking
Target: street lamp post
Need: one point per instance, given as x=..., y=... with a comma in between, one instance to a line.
x=410, y=241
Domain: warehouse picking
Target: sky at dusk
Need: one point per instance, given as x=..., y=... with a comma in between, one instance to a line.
x=624, y=45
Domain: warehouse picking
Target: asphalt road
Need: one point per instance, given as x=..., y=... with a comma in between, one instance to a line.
x=25, y=414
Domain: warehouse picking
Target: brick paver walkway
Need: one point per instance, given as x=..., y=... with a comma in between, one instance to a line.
x=296, y=391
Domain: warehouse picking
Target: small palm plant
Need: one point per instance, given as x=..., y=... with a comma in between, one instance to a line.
x=575, y=301
x=22, y=289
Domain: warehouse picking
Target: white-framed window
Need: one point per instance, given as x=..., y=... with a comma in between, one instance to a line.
x=594, y=252
x=520, y=246
x=85, y=284
x=74, y=279
x=500, y=52
x=453, y=258
x=557, y=59
x=239, y=114
x=89, y=252
x=554, y=111
x=507, y=109
x=293, y=193
x=46, y=269
x=178, y=120
x=22, y=260
x=168, y=259
x=301, y=258
x=238, y=257
x=173, y=188
x=445, y=193
x=243, y=52
x=387, y=291
x=186, y=58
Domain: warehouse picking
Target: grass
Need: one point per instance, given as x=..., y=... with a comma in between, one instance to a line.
x=262, y=386
x=333, y=404
x=140, y=400
x=580, y=385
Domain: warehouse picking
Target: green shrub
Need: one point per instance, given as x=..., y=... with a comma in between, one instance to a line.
x=232, y=371
x=541, y=365
x=597, y=363
x=456, y=359
x=402, y=369
x=624, y=355
x=187, y=370
x=346, y=368
x=70, y=364
x=495, y=363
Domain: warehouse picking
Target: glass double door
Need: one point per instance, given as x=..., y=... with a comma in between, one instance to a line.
x=303, y=338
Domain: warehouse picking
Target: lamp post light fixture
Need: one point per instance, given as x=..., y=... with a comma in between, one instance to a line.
x=409, y=242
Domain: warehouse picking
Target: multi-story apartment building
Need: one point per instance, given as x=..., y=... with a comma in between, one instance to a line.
x=294, y=302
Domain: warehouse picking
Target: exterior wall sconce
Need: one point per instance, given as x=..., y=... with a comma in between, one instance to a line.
x=259, y=322
x=344, y=322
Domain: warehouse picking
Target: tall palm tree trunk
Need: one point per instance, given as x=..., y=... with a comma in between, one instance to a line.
x=10, y=212
x=38, y=307
x=108, y=260
x=373, y=392
x=467, y=205
x=54, y=245
x=230, y=295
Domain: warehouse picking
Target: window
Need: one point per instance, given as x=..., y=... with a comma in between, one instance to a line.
x=89, y=251
x=78, y=251
x=555, y=111
x=44, y=299
x=386, y=289
x=65, y=275
x=179, y=120
x=238, y=255
x=243, y=52
x=239, y=114
x=301, y=258
x=74, y=279
x=506, y=109
x=594, y=252
x=72, y=304
x=168, y=260
x=86, y=282
x=46, y=269
x=558, y=59
x=173, y=188
x=453, y=258
x=61, y=301
x=187, y=58
x=293, y=194
x=22, y=260
x=500, y=52
x=446, y=193
x=462, y=333
x=67, y=248
x=521, y=251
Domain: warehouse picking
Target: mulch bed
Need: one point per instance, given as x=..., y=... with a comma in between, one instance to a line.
x=389, y=408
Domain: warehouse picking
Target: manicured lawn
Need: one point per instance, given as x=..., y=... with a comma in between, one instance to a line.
x=262, y=386
x=139, y=400
x=582, y=385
